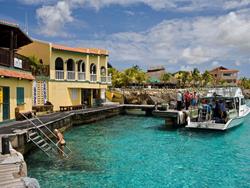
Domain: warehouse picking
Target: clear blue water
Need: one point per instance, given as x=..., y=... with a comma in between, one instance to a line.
x=136, y=151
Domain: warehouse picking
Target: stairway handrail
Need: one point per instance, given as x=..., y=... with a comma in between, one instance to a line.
x=49, y=129
x=44, y=134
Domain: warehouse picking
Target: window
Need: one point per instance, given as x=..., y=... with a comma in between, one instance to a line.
x=74, y=94
x=227, y=74
x=20, y=95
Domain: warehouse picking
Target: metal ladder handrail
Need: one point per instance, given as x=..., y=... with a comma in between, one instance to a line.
x=49, y=129
x=44, y=134
x=40, y=147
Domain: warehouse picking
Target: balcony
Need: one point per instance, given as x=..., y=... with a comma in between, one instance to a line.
x=71, y=75
x=93, y=77
x=59, y=75
x=106, y=79
x=81, y=76
x=19, y=61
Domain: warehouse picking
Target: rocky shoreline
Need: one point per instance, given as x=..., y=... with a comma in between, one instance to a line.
x=152, y=96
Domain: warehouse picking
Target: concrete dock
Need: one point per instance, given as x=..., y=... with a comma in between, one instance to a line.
x=12, y=169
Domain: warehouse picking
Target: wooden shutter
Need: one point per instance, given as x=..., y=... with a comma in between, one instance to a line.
x=20, y=95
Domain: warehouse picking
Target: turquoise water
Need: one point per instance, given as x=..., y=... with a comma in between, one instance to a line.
x=136, y=151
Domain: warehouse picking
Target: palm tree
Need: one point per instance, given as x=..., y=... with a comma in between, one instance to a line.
x=186, y=77
x=206, y=78
x=196, y=77
x=166, y=77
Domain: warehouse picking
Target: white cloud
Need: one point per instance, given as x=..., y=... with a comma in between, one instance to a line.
x=196, y=42
x=36, y=2
x=52, y=24
x=53, y=18
x=232, y=4
x=215, y=63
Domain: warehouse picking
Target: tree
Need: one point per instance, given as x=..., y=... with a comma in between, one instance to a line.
x=196, y=77
x=244, y=83
x=207, y=78
x=166, y=77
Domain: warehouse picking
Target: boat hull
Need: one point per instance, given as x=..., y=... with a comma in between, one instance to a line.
x=218, y=126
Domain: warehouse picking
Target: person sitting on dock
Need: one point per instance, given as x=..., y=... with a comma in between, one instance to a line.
x=61, y=142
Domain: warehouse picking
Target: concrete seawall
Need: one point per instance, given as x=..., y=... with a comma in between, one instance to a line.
x=17, y=131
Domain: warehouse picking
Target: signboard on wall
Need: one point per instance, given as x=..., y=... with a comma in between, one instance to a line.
x=1, y=95
x=18, y=63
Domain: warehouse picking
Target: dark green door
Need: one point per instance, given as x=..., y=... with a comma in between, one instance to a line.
x=6, y=103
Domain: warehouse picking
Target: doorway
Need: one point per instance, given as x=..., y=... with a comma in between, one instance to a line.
x=86, y=97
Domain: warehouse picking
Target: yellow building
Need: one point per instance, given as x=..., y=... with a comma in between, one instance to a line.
x=76, y=75
x=15, y=72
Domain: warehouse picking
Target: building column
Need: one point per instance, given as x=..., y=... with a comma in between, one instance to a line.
x=106, y=65
x=98, y=69
x=76, y=70
x=87, y=71
x=11, y=50
x=65, y=69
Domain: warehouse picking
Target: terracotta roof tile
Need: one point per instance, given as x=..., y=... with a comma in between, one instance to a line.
x=16, y=74
x=81, y=50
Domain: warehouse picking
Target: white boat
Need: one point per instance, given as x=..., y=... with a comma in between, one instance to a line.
x=220, y=109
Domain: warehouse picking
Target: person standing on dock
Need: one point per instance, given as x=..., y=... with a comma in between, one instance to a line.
x=179, y=100
x=61, y=142
x=187, y=99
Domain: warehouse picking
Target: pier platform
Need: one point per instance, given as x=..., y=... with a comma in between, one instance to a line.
x=12, y=169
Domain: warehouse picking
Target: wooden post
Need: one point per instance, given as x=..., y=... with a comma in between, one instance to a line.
x=11, y=48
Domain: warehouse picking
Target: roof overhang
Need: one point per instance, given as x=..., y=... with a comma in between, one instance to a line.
x=5, y=34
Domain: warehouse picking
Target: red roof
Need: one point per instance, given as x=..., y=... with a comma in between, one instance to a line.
x=223, y=69
x=16, y=74
x=81, y=50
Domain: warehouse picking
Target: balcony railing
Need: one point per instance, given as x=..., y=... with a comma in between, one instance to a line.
x=71, y=75
x=59, y=75
x=106, y=79
x=103, y=79
x=109, y=79
x=23, y=62
x=93, y=77
x=81, y=76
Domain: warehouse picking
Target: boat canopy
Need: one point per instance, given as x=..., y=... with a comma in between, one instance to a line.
x=225, y=92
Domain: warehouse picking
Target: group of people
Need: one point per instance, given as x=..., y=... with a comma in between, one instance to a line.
x=215, y=107
x=186, y=99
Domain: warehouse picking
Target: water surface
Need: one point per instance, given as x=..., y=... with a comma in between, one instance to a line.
x=136, y=151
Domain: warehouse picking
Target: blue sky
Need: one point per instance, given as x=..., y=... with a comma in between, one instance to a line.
x=178, y=34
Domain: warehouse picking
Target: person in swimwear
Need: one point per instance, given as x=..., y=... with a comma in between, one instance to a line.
x=61, y=142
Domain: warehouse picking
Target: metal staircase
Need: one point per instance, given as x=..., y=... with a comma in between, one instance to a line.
x=42, y=140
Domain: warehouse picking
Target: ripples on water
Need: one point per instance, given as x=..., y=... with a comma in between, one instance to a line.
x=136, y=151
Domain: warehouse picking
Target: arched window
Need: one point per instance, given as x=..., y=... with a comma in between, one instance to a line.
x=70, y=65
x=92, y=68
x=103, y=71
x=81, y=66
x=59, y=63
